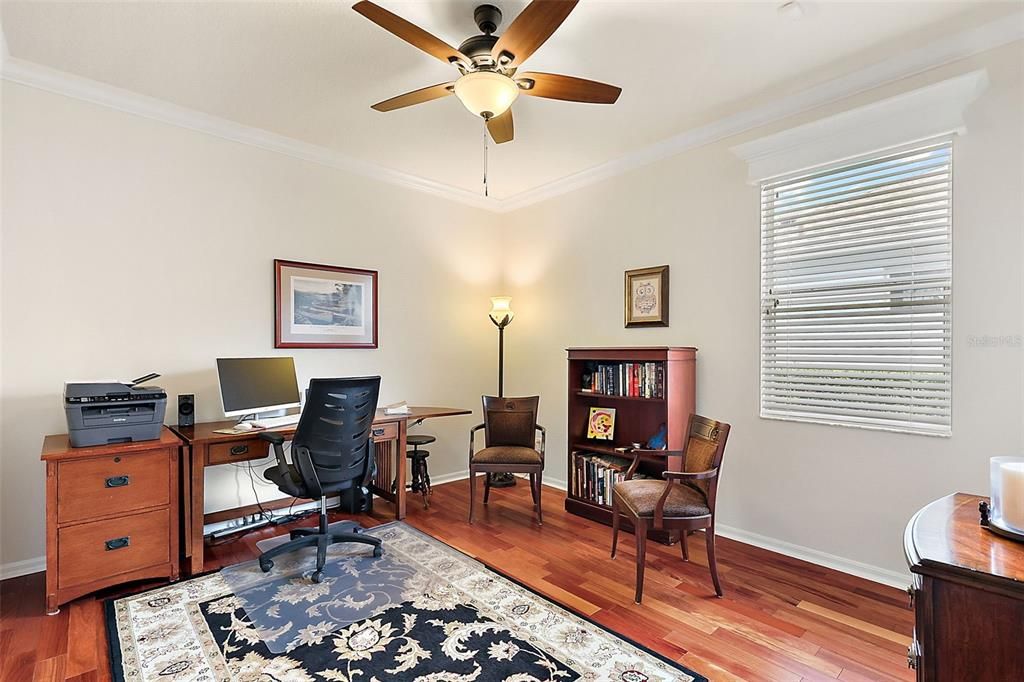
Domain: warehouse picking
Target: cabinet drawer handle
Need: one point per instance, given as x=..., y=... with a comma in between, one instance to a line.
x=378, y=431
x=239, y=449
x=118, y=543
x=117, y=481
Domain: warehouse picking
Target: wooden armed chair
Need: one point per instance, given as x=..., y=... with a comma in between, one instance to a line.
x=684, y=501
x=510, y=431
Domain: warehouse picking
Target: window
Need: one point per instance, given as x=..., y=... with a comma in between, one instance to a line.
x=856, y=278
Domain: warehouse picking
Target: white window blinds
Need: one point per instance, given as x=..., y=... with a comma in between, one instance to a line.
x=856, y=277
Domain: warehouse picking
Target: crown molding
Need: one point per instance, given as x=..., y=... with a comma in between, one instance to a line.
x=928, y=112
x=970, y=42
x=965, y=44
x=70, y=85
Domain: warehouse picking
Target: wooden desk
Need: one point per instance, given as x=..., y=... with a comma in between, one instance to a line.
x=202, y=447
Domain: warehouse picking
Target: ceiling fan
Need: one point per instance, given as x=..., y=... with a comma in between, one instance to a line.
x=489, y=82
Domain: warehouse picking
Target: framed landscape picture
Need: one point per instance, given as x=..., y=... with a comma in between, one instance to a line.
x=324, y=306
x=647, y=297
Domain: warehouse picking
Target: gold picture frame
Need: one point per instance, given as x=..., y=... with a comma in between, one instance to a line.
x=647, y=297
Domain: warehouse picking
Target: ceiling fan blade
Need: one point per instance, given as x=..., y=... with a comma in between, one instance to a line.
x=568, y=88
x=415, y=97
x=410, y=33
x=530, y=29
x=501, y=128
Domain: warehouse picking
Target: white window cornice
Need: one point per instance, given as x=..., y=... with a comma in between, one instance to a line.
x=924, y=113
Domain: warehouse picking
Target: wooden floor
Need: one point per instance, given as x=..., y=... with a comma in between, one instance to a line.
x=781, y=619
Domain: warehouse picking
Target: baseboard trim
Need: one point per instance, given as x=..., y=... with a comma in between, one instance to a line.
x=15, y=569
x=876, y=574
x=556, y=483
x=449, y=478
x=812, y=556
x=817, y=557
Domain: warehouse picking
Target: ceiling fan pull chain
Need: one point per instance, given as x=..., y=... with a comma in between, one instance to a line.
x=485, y=158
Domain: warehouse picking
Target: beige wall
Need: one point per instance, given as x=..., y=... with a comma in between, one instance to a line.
x=841, y=491
x=95, y=195
x=90, y=190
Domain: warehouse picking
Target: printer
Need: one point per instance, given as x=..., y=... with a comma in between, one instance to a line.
x=100, y=413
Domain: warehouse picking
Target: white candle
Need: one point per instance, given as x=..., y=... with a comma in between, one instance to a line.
x=1011, y=482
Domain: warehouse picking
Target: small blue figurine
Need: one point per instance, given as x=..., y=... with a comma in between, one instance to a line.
x=658, y=440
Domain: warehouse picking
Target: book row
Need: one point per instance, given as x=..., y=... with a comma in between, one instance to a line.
x=626, y=379
x=595, y=476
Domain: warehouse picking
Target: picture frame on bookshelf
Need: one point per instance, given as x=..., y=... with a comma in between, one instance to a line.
x=646, y=297
x=601, y=423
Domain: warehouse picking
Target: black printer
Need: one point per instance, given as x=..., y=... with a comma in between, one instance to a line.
x=100, y=413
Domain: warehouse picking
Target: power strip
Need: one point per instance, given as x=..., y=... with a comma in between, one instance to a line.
x=246, y=523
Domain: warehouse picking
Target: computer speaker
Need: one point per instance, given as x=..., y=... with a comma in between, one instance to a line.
x=186, y=410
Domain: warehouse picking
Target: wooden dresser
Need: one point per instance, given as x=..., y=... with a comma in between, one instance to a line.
x=968, y=595
x=112, y=514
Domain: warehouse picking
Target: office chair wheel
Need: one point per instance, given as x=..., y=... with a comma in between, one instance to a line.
x=266, y=565
x=318, y=576
x=378, y=552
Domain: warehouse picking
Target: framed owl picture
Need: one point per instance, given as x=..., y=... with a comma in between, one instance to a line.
x=647, y=297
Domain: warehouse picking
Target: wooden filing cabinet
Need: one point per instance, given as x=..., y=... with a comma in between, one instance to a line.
x=112, y=514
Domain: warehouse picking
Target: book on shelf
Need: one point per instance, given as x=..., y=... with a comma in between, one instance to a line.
x=595, y=476
x=627, y=380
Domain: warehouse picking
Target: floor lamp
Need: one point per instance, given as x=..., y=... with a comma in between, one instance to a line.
x=501, y=315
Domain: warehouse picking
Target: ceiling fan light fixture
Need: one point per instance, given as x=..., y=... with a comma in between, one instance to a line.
x=486, y=93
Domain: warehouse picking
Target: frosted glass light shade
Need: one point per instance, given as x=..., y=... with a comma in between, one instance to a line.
x=486, y=93
x=501, y=307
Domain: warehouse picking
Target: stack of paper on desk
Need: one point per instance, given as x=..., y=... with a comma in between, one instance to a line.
x=396, y=408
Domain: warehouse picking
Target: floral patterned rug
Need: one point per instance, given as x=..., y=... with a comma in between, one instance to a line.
x=443, y=617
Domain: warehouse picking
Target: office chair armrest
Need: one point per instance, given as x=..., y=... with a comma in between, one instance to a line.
x=272, y=437
x=472, y=432
x=277, y=441
x=690, y=475
x=543, y=439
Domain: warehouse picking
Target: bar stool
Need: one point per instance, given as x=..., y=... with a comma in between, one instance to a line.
x=420, y=476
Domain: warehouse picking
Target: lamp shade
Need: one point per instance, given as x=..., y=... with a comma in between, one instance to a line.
x=486, y=93
x=501, y=310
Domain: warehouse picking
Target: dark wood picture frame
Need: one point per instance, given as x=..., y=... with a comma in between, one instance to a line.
x=660, y=319
x=280, y=305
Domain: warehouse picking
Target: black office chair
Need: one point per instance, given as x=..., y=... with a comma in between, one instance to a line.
x=331, y=452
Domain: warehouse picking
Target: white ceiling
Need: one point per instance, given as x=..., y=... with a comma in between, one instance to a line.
x=310, y=70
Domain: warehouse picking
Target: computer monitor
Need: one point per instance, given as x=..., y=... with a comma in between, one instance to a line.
x=254, y=385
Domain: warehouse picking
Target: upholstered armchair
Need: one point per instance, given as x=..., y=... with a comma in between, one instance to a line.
x=683, y=500
x=510, y=432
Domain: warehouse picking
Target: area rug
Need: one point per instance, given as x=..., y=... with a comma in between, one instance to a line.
x=424, y=612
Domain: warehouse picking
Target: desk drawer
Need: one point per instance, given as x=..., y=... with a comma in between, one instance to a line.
x=100, y=549
x=105, y=486
x=237, y=451
x=384, y=432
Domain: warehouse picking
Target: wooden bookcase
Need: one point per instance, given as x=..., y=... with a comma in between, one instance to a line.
x=636, y=418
